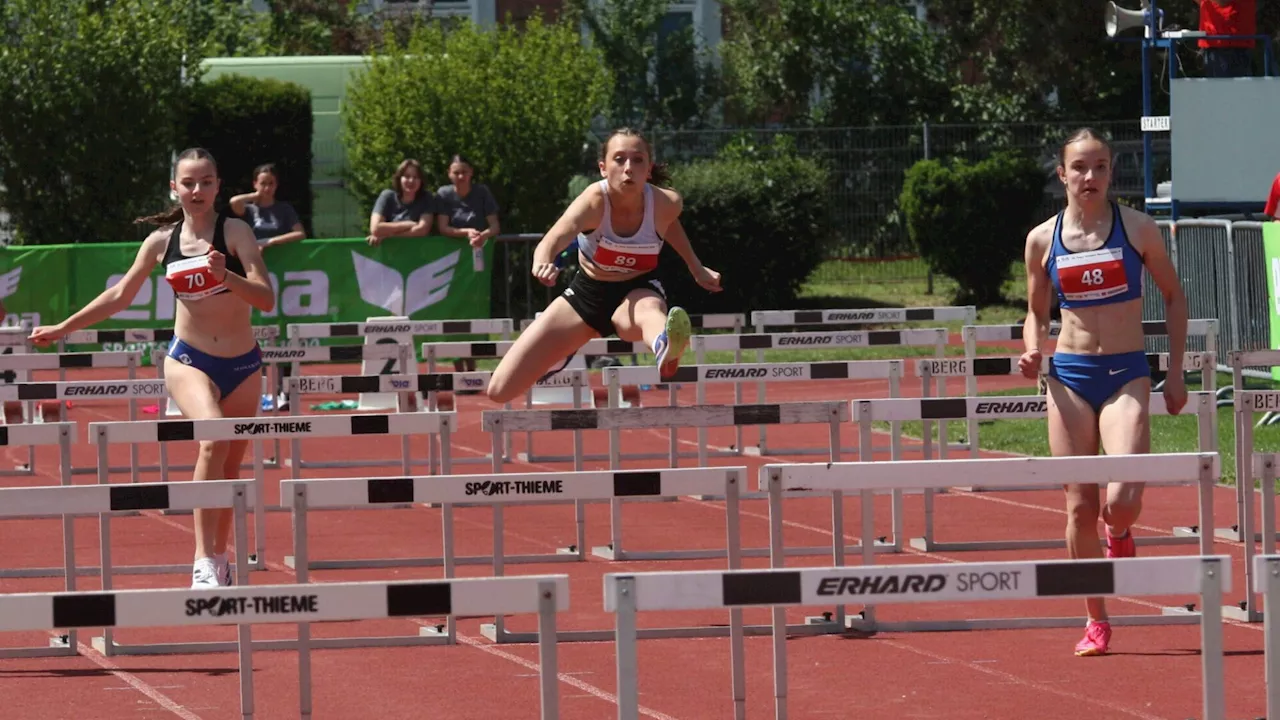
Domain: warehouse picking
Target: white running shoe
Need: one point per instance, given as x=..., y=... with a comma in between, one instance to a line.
x=204, y=574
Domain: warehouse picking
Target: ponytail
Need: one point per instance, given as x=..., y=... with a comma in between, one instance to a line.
x=167, y=217
x=660, y=175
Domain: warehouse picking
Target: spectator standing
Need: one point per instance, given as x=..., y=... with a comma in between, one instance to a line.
x=274, y=222
x=1228, y=58
x=467, y=210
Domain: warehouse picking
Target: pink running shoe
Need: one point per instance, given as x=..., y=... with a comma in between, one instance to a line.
x=1097, y=638
x=1121, y=547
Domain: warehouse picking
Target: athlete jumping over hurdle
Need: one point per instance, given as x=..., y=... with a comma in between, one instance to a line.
x=1092, y=255
x=218, y=276
x=620, y=224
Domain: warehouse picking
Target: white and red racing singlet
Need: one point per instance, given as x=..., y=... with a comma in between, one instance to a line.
x=612, y=253
x=192, y=279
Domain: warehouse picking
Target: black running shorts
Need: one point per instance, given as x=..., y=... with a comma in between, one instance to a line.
x=596, y=301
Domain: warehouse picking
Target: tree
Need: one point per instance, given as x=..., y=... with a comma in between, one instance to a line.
x=518, y=103
x=93, y=96
x=847, y=62
x=659, y=80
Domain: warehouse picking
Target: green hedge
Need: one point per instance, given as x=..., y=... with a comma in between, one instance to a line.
x=759, y=216
x=970, y=220
x=245, y=122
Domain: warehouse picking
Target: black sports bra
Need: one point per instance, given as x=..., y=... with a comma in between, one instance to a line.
x=188, y=274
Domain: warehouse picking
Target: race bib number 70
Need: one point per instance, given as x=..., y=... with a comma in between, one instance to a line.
x=192, y=279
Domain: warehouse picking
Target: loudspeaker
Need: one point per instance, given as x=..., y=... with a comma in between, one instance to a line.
x=1119, y=19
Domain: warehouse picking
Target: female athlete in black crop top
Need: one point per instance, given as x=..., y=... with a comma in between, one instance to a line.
x=216, y=270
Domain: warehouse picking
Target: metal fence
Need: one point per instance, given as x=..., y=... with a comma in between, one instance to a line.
x=1223, y=270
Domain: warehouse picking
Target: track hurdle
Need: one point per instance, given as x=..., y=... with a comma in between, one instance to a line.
x=433, y=352
x=974, y=334
x=44, y=434
x=244, y=607
x=496, y=490
x=1250, y=466
x=628, y=594
x=105, y=434
x=987, y=408
x=69, y=501
x=830, y=414
x=1202, y=469
x=615, y=377
x=1266, y=581
x=21, y=364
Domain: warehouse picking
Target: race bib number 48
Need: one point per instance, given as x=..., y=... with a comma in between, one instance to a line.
x=1094, y=275
x=617, y=257
x=192, y=279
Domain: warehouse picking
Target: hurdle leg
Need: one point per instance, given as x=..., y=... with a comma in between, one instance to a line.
x=548, y=674
x=1248, y=609
x=1215, y=702
x=579, y=505
x=244, y=633
x=69, y=640
x=258, y=560
x=302, y=567
x=1271, y=635
x=104, y=644
x=625, y=648
x=779, y=641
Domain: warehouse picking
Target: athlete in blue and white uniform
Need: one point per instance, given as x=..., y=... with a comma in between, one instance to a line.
x=1092, y=256
x=620, y=225
x=216, y=270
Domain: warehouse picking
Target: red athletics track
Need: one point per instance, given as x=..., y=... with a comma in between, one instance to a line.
x=1152, y=673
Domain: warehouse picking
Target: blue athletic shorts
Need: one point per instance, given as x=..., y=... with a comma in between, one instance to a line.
x=226, y=373
x=1097, y=378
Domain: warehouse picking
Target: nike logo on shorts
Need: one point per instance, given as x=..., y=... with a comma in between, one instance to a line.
x=1115, y=372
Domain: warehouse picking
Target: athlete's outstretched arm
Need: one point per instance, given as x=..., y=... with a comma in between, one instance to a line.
x=584, y=212
x=255, y=287
x=113, y=299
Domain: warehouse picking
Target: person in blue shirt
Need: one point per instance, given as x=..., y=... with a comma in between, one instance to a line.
x=1092, y=256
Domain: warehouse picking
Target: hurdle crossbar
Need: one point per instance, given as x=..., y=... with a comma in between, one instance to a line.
x=496, y=490
x=628, y=594
x=302, y=604
x=1154, y=469
x=69, y=501
x=480, y=326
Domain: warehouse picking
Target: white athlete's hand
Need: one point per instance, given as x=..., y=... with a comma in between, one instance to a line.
x=546, y=273
x=1175, y=393
x=218, y=265
x=1029, y=364
x=46, y=335
x=708, y=279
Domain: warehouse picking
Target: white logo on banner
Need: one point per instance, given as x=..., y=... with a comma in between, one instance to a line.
x=385, y=287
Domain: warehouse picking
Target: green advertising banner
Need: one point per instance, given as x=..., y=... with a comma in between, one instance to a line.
x=330, y=280
x=1271, y=250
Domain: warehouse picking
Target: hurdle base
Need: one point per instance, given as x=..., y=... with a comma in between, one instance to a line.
x=58, y=647
x=1232, y=534
x=1186, y=531
x=196, y=648
x=919, y=543
x=95, y=571
x=857, y=623
x=607, y=552
x=488, y=631
x=1241, y=614
x=561, y=555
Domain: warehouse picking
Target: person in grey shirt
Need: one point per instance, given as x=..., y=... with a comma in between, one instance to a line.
x=404, y=210
x=274, y=222
x=469, y=211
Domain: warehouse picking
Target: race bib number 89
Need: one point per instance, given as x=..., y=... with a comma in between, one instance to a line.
x=617, y=257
